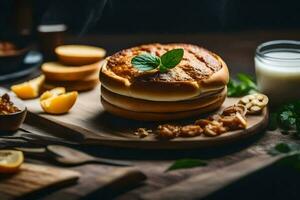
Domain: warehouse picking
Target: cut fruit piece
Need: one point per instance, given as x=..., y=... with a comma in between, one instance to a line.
x=54, y=92
x=56, y=101
x=29, y=89
x=79, y=54
x=55, y=71
x=10, y=160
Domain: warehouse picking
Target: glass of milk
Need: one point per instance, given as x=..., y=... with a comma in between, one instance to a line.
x=277, y=66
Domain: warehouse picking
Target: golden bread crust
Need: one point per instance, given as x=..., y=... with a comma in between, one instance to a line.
x=200, y=71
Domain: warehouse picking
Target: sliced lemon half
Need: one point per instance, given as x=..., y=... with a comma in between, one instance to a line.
x=10, y=160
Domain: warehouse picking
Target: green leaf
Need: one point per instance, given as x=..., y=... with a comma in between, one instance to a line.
x=232, y=87
x=186, y=163
x=248, y=80
x=162, y=68
x=284, y=148
x=287, y=119
x=172, y=58
x=244, y=86
x=145, y=62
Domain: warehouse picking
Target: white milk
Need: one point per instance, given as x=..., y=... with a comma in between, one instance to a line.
x=278, y=72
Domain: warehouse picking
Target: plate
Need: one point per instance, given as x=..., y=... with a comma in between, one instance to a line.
x=31, y=63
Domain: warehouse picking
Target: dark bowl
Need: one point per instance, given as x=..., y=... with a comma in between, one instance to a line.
x=11, y=62
x=11, y=122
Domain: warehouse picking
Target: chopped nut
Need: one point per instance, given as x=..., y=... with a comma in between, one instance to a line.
x=214, y=130
x=231, y=110
x=255, y=109
x=142, y=132
x=245, y=100
x=232, y=118
x=208, y=131
x=216, y=123
x=254, y=103
x=214, y=117
x=202, y=122
x=168, y=131
x=234, y=122
x=190, y=131
x=6, y=106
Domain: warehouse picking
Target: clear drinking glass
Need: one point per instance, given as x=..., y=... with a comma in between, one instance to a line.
x=277, y=66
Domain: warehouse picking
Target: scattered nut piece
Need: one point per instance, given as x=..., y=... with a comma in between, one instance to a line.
x=234, y=122
x=215, y=117
x=231, y=110
x=242, y=121
x=254, y=103
x=168, y=131
x=142, y=132
x=231, y=118
x=209, y=131
x=202, y=122
x=213, y=130
x=190, y=131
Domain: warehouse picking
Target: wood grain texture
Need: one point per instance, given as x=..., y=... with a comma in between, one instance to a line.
x=32, y=178
x=200, y=186
x=99, y=127
x=99, y=181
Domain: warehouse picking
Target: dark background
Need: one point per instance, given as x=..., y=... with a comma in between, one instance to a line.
x=155, y=16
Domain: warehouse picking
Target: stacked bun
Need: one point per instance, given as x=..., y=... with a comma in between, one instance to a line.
x=195, y=86
x=78, y=68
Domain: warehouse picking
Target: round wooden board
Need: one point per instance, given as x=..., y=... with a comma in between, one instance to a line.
x=126, y=138
x=102, y=128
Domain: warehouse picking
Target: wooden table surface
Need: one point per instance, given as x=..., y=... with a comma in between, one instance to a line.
x=237, y=49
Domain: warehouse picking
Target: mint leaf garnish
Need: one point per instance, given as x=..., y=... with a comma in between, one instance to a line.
x=171, y=58
x=147, y=61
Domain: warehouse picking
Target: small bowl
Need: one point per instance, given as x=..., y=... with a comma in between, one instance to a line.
x=12, y=121
x=11, y=62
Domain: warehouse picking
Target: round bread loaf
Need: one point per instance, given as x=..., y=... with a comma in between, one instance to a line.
x=200, y=71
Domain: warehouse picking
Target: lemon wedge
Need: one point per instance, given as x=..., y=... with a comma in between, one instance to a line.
x=57, y=101
x=10, y=160
x=54, y=92
x=29, y=89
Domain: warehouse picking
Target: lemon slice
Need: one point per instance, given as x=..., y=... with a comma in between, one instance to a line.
x=10, y=160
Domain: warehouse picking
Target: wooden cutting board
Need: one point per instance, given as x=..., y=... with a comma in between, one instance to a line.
x=89, y=119
x=32, y=178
